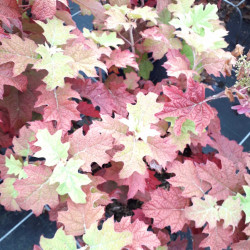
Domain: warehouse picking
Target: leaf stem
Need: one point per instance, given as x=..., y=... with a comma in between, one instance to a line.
x=124, y=38
x=132, y=39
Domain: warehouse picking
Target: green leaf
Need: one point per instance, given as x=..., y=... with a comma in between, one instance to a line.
x=164, y=16
x=15, y=167
x=60, y=241
x=104, y=38
x=145, y=67
x=70, y=180
x=245, y=202
x=188, y=52
x=56, y=32
x=56, y=63
x=107, y=238
x=181, y=7
x=201, y=17
x=51, y=147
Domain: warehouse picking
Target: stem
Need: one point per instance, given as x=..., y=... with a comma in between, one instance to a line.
x=124, y=38
x=132, y=39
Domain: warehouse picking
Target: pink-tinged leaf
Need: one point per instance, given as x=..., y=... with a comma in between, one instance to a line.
x=141, y=237
x=218, y=238
x=224, y=181
x=90, y=148
x=139, y=215
x=88, y=110
x=121, y=59
x=247, y=230
x=167, y=208
x=110, y=99
x=136, y=182
x=186, y=177
x=6, y=78
x=230, y=150
x=187, y=105
x=43, y=9
x=8, y=11
x=81, y=216
x=243, y=244
x=178, y=64
x=94, y=7
x=59, y=108
x=162, y=149
x=132, y=80
x=8, y=195
x=21, y=52
x=35, y=192
x=203, y=211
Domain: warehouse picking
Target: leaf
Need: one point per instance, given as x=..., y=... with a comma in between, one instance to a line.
x=162, y=149
x=19, y=82
x=15, y=167
x=187, y=178
x=8, y=11
x=59, y=108
x=224, y=181
x=218, y=238
x=178, y=64
x=70, y=180
x=145, y=13
x=132, y=156
x=132, y=80
x=182, y=6
x=55, y=32
x=57, y=65
x=21, y=52
x=59, y=241
x=85, y=61
x=8, y=195
x=187, y=105
x=90, y=148
x=103, y=38
x=81, y=216
x=141, y=237
x=35, y=192
x=245, y=202
x=203, y=211
x=243, y=244
x=88, y=110
x=167, y=208
x=142, y=115
x=114, y=98
x=107, y=237
x=145, y=67
x=230, y=212
x=51, y=147
x=121, y=59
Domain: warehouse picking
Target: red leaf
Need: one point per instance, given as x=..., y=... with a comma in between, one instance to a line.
x=187, y=105
x=59, y=107
x=35, y=192
x=167, y=208
x=6, y=78
x=88, y=110
x=243, y=244
x=141, y=237
x=43, y=9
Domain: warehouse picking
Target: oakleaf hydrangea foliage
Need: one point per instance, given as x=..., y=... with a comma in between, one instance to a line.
x=85, y=128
